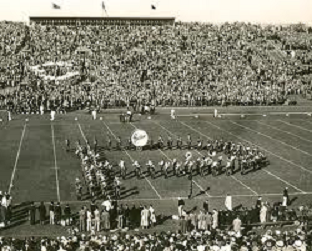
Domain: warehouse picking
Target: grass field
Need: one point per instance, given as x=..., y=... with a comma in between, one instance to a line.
x=36, y=167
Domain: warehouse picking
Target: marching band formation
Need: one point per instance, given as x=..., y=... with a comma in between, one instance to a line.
x=103, y=177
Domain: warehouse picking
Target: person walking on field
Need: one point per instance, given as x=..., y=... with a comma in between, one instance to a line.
x=42, y=213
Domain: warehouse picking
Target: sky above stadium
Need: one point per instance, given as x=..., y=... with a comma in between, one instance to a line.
x=216, y=11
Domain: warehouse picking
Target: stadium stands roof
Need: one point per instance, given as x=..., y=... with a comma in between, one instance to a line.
x=63, y=20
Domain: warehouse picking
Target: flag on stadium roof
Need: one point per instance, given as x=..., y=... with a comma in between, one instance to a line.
x=153, y=7
x=103, y=6
x=55, y=6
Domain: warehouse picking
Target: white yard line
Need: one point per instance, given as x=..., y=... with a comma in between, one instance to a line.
x=309, y=122
x=271, y=138
x=298, y=189
x=287, y=132
x=300, y=127
x=16, y=159
x=201, y=189
x=126, y=152
x=271, y=153
x=55, y=165
x=82, y=133
x=199, y=153
x=248, y=187
x=277, y=177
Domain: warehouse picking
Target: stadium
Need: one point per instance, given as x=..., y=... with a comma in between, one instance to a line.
x=155, y=132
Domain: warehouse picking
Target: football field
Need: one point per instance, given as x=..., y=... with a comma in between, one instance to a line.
x=36, y=167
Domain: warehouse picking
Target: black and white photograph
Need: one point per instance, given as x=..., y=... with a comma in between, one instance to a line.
x=156, y=125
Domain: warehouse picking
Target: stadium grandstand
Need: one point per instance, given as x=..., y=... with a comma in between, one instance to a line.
x=152, y=133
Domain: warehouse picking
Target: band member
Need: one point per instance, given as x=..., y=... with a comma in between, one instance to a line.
x=117, y=188
x=150, y=169
x=109, y=141
x=94, y=114
x=123, y=171
x=179, y=143
x=118, y=144
x=129, y=115
x=95, y=144
x=130, y=146
x=160, y=142
x=181, y=204
x=208, y=162
x=161, y=164
x=189, y=142
x=215, y=168
x=199, y=144
x=151, y=144
x=174, y=166
x=228, y=166
x=67, y=143
x=173, y=114
x=178, y=168
x=78, y=189
x=169, y=143
x=137, y=167
x=166, y=168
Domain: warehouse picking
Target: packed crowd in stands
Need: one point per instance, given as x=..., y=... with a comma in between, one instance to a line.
x=188, y=64
x=197, y=229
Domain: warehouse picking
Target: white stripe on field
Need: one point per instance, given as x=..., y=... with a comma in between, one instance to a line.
x=300, y=127
x=16, y=159
x=271, y=138
x=55, y=165
x=287, y=132
x=286, y=182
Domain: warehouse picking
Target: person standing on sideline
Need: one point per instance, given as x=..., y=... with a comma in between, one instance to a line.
x=82, y=220
x=42, y=213
x=97, y=219
x=145, y=218
x=51, y=212
x=228, y=202
x=53, y=112
x=263, y=213
x=181, y=204
x=215, y=219
x=206, y=206
x=58, y=214
x=32, y=214
x=67, y=213
x=106, y=220
x=89, y=220
x=285, y=202
x=237, y=224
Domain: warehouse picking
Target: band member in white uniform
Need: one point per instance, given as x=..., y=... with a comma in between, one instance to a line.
x=93, y=114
